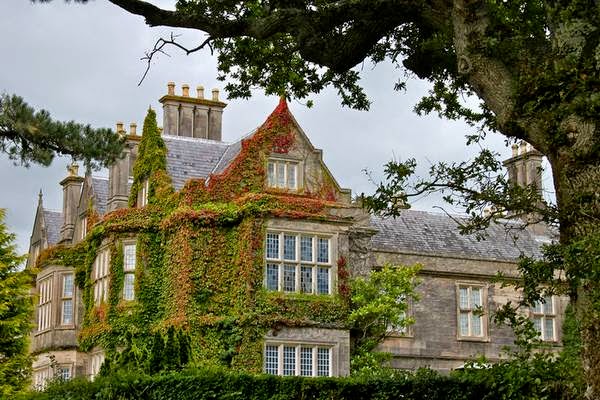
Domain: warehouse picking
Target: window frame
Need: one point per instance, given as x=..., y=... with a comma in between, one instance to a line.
x=145, y=189
x=471, y=311
x=544, y=316
x=299, y=264
x=129, y=271
x=286, y=162
x=67, y=297
x=95, y=363
x=44, y=307
x=298, y=346
x=100, y=283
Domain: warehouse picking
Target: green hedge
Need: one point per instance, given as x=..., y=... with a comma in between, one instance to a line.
x=210, y=384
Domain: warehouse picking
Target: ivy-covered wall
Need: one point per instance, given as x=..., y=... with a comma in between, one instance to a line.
x=200, y=261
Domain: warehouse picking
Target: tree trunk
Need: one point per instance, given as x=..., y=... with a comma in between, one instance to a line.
x=576, y=173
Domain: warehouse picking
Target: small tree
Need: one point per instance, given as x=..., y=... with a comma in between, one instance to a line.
x=379, y=305
x=15, y=316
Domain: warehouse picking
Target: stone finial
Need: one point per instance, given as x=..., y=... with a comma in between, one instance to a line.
x=171, y=88
x=185, y=90
x=133, y=129
x=200, y=91
x=40, y=196
x=515, y=150
x=215, y=94
x=73, y=169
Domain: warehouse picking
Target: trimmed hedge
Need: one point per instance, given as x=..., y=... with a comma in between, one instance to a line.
x=211, y=384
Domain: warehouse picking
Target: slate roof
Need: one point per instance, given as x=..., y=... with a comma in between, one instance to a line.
x=100, y=188
x=428, y=233
x=191, y=158
x=228, y=156
x=53, y=221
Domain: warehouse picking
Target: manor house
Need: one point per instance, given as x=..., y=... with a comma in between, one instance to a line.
x=258, y=238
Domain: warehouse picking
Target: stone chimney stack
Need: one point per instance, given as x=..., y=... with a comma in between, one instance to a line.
x=525, y=166
x=196, y=117
x=120, y=174
x=71, y=192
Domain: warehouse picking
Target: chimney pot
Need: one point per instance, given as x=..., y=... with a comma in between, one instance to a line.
x=171, y=88
x=185, y=89
x=133, y=129
x=523, y=147
x=215, y=94
x=73, y=169
x=120, y=127
x=200, y=91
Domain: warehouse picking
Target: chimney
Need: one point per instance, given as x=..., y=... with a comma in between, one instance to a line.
x=120, y=174
x=525, y=166
x=196, y=117
x=71, y=192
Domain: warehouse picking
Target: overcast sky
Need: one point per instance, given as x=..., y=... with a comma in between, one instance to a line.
x=82, y=62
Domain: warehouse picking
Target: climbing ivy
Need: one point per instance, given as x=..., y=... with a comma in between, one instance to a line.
x=199, y=271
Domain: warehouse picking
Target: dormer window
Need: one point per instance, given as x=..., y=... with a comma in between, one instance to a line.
x=144, y=194
x=282, y=174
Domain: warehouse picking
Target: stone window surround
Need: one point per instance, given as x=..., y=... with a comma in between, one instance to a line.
x=96, y=359
x=484, y=306
x=44, y=312
x=48, y=371
x=129, y=271
x=544, y=316
x=100, y=283
x=299, y=172
x=408, y=331
x=63, y=298
x=297, y=344
x=298, y=233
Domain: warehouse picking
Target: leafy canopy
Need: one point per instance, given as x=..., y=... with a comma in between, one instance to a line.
x=28, y=136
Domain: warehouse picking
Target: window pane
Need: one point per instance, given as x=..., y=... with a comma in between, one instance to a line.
x=129, y=257
x=273, y=246
x=464, y=323
x=289, y=247
x=67, y=312
x=323, y=280
x=128, y=280
x=68, y=285
x=271, y=360
x=476, y=325
x=306, y=248
x=289, y=360
x=306, y=279
x=306, y=363
x=537, y=307
x=291, y=176
x=289, y=278
x=537, y=324
x=548, y=309
x=280, y=175
x=475, y=297
x=323, y=361
x=323, y=250
x=464, y=298
x=272, y=277
x=549, y=329
x=64, y=373
x=271, y=174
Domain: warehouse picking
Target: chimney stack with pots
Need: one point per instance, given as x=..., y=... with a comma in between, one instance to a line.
x=196, y=117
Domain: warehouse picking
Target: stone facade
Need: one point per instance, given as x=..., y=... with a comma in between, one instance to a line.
x=456, y=269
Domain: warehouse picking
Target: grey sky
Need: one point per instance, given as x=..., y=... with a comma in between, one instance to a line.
x=82, y=62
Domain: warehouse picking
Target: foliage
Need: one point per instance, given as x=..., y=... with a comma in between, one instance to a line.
x=199, y=296
x=379, y=304
x=29, y=136
x=15, y=316
x=152, y=154
x=216, y=383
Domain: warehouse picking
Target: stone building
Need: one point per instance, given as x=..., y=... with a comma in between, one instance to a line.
x=305, y=231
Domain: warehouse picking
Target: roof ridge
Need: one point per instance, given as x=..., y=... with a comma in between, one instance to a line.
x=193, y=139
x=51, y=210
